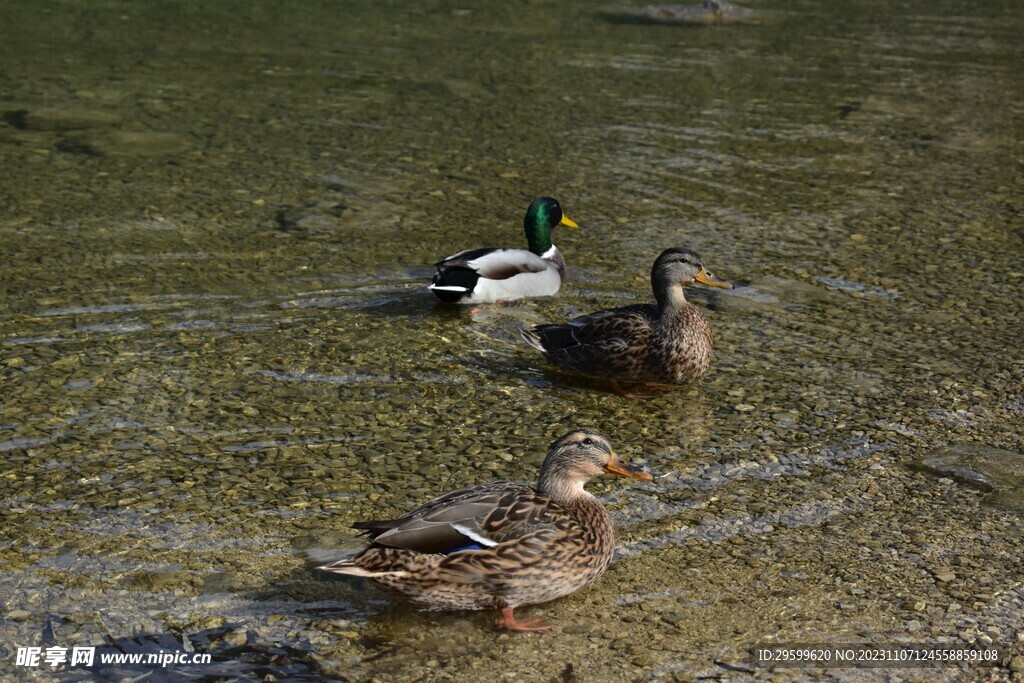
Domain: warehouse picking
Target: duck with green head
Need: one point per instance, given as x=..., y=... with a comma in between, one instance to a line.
x=501, y=545
x=667, y=342
x=491, y=274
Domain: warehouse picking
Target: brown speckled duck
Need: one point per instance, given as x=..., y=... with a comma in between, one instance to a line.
x=668, y=342
x=501, y=545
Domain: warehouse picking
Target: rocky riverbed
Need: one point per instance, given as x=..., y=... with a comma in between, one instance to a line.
x=217, y=350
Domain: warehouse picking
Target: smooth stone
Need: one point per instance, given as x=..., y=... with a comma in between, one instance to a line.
x=981, y=466
x=322, y=217
x=707, y=12
x=238, y=637
x=221, y=582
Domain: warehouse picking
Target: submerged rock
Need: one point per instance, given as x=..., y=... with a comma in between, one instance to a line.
x=989, y=469
x=707, y=12
x=312, y=219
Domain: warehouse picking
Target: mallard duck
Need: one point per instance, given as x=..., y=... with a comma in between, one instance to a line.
x=501, y=545
x=668, y=342
x=479, y=276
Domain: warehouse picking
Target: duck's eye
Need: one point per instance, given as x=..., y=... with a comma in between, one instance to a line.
x=588, y=441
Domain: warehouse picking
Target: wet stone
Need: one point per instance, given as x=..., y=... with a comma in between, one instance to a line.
x=312, y=218
x=708, y=12
x=644, y=660
x=158, y=581
x=986, y=468
x=237, y=637
x=220, y=582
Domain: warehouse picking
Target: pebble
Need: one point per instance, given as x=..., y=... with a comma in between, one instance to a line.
x=237, y=637
x=644, y=660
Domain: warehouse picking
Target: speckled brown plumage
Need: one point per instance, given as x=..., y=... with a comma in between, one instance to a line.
x=500, y=545
x=668, y=342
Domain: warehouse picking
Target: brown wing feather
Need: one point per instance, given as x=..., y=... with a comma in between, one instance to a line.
x=611, y=343
x=497, y=512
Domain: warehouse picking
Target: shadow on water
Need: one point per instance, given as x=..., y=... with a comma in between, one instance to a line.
x=636, y=18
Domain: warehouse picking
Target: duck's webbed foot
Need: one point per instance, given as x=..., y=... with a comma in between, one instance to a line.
x=509, y=621
x=640, y=390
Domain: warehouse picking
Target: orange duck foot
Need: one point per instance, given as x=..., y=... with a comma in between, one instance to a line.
x=641, y=390
x=508, y=621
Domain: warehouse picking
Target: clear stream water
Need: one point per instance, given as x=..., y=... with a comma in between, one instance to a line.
x=218, y=351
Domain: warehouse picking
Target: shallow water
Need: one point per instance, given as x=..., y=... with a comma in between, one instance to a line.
x=218, y=351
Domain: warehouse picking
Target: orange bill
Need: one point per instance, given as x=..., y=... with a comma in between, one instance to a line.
x=706, y=278
x=624, y=469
